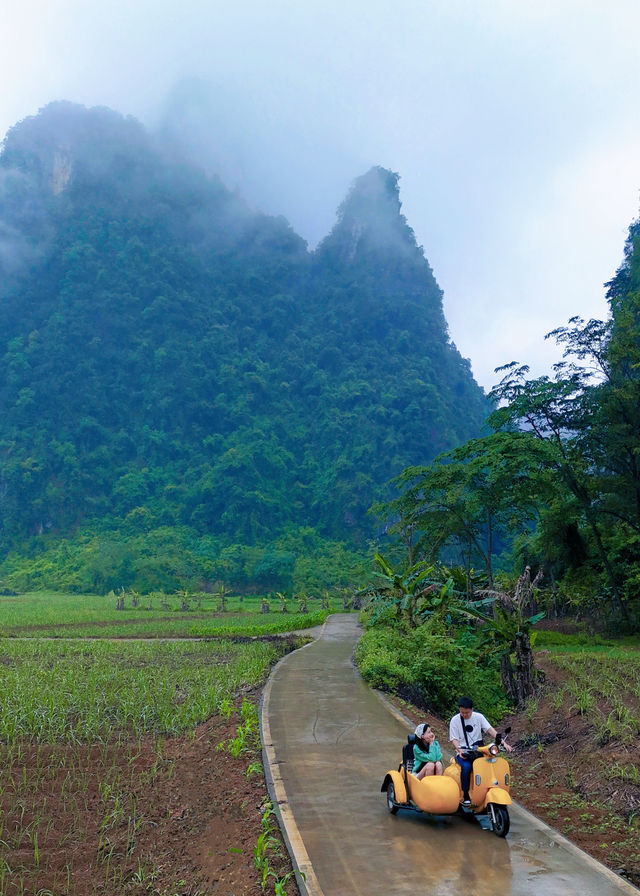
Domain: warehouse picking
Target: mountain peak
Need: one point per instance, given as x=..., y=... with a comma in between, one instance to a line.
x=48, y=145
x=370, y=218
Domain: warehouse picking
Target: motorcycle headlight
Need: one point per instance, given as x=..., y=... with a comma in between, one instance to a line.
x=493, y=749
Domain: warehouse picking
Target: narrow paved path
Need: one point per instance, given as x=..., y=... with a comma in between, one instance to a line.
x=328, y=743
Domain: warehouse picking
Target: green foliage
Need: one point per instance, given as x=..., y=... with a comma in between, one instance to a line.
x=171, y=558
x=377, y=656
x=588, y=419
x=466, y=502
x=268, y=846
x=173, y=362
x=559, y=477
x=430, y=668
x=247, y=737
x=414, y=595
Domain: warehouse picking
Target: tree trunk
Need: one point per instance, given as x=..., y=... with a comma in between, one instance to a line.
x=525, y=672
x=519, y=684
x=489, y=549
x=508, y=677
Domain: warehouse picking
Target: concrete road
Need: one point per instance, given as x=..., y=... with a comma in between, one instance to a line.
x=328, y=743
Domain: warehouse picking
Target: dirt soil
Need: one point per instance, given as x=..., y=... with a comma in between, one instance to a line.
x=198, y=829
x=562, y=775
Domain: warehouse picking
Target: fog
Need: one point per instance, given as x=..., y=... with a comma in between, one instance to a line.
x=513, y=127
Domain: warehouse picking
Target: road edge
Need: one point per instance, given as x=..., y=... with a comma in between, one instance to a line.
x=304, y=874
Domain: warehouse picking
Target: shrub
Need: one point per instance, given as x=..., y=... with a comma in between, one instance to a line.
x=430, y=668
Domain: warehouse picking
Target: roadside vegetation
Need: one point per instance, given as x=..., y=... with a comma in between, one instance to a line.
x=539, y=518
x=424, y=636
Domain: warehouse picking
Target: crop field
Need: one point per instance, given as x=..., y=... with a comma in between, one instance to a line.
x=575, y=764
x=52, y=690
x=93, y=731
x=47, y=614
x=606, y=688
x=601, y=682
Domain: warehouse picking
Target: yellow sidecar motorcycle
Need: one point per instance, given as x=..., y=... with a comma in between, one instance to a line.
x=442, y=794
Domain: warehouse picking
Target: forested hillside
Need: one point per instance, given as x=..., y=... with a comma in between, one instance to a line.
x=188, y=393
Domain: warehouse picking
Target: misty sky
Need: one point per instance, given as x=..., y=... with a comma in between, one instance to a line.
x=514, y=127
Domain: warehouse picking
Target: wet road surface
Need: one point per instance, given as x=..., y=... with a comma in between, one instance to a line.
x=328, y=743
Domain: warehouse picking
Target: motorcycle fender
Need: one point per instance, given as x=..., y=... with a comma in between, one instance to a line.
x=398, y=786
x=498, y=796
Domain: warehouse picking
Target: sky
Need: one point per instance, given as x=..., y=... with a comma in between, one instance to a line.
x=514, y=127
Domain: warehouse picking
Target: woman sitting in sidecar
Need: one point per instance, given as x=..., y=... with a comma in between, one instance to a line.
x=427, y=755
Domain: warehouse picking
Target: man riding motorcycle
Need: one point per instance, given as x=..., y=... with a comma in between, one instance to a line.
x=466, y=730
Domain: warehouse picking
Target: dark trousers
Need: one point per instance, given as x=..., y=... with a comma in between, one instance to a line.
x=465, y=773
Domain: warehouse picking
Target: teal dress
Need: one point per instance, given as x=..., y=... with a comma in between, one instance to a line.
x=421, y=757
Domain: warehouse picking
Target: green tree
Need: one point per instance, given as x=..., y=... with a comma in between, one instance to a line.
x=412, y=595
x=572, y=415
x=468, y=496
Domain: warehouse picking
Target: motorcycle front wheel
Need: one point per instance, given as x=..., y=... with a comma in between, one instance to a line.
x=500, y=821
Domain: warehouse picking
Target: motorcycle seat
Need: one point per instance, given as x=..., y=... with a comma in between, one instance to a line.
x=407, y=752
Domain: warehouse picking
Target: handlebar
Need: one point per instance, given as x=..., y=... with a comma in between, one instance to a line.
x=499, y=745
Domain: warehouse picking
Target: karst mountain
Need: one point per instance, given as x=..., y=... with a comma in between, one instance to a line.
x=180, y=370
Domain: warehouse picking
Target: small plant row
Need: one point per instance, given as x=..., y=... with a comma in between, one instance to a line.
x=268, y=848
x=154, y=616
x=94, y=789
x=82, y=737
x=52, y=690
x=604, y=687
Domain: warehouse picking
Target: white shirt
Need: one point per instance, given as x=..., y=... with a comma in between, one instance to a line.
x=477, y=721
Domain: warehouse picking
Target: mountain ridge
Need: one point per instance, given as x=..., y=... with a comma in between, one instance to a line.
x=172, y=358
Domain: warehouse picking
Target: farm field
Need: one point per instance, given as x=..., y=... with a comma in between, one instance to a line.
x=133, y=766
x=130, y=753
x=48, y=614
x=577, y=764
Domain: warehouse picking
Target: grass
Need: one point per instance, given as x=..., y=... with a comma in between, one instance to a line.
x=49, y=614
x=578, y=642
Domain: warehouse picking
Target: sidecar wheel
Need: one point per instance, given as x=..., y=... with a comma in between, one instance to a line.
x=391, y=799
x=502, y=822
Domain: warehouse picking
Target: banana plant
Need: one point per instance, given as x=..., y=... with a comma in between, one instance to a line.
x=413, y=593
x=510, y=629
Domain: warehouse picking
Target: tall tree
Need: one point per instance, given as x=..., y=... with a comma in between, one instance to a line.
x=470, y=496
